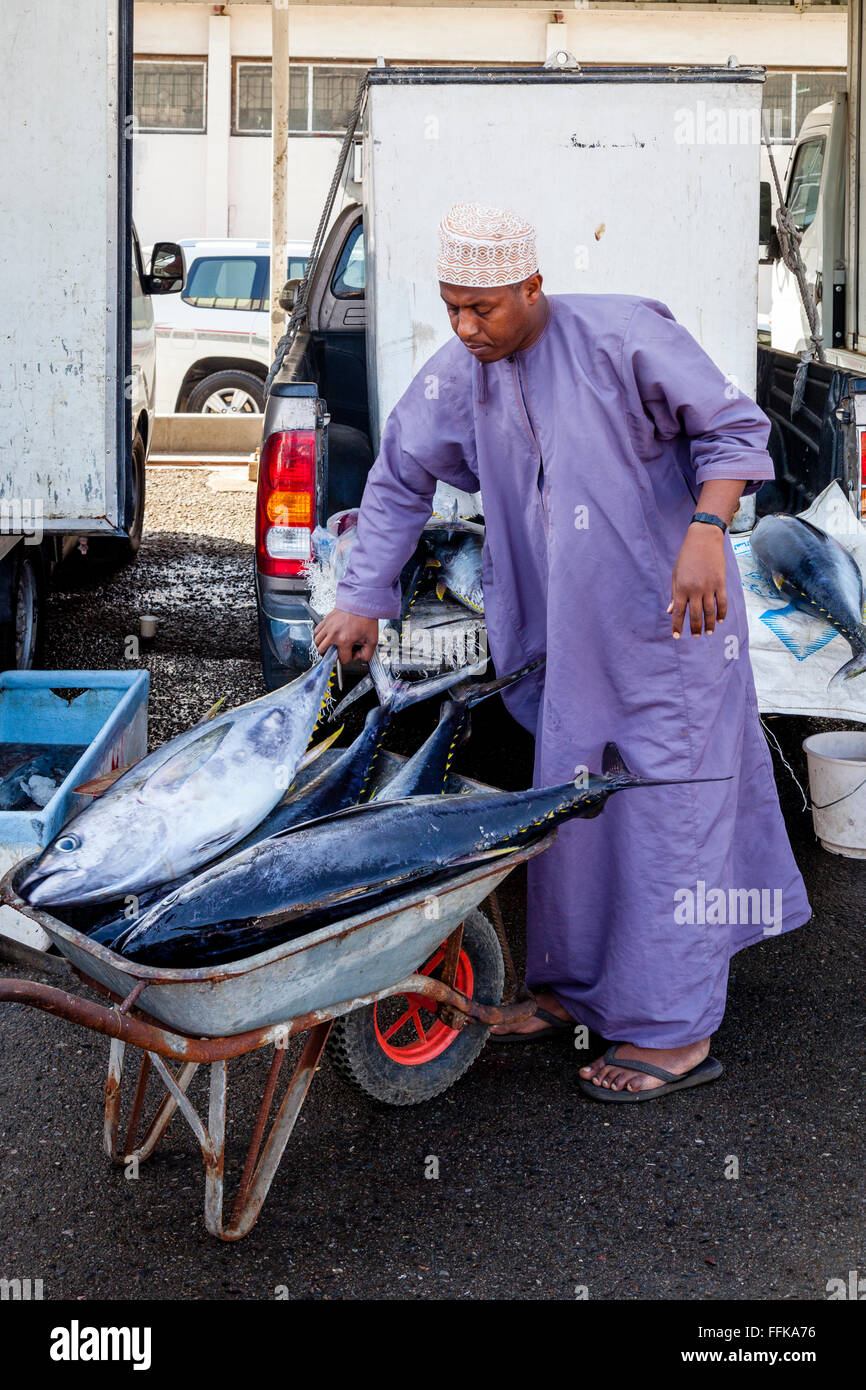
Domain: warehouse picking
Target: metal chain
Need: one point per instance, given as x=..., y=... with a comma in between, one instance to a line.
x=299, y=310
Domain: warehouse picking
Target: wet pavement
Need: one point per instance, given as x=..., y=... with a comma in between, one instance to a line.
x=749, y=1189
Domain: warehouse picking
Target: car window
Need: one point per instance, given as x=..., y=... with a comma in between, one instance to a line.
x=350, y=276
x=223, y=282
x=805, y=184
x=296, y=270
x=142, y=309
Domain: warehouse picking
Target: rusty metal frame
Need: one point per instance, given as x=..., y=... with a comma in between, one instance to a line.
x=127, y=1026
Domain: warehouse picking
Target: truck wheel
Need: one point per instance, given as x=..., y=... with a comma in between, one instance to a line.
x=227, y=393
x=21, y=634
x=111, y=552
x=399, y=1052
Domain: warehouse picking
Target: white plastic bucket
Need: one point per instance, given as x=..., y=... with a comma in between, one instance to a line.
x=837, y=790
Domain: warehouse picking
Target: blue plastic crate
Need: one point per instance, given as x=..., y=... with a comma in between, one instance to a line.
x=108, y=715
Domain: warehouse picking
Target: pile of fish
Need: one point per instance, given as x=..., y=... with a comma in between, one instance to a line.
x=819, y=576
x=448, y=553
x=30, y=773
x=220, y=861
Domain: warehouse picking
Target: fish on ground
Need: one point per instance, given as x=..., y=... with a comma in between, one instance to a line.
x=819, y=576
x=364, y=850
x=188, y=801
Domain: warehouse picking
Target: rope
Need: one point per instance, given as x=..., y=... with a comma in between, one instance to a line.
x=807, y=804
x=299, y=310
x=789, y=242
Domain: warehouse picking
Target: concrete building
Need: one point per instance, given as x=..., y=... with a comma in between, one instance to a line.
x=202, y=162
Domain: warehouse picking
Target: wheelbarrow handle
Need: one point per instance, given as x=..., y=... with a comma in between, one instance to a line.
x=136, y=1031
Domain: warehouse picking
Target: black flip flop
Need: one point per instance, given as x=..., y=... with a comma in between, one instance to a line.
x=707, y=1070
x=556, y=1025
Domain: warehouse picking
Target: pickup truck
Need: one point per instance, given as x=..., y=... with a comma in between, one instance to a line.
x=818, y=409
x=579, y=149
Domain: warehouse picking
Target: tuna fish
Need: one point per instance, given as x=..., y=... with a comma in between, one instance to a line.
x=817, y=575
x=343, y=859
x=426, y=772
x=349, y=779
x=346, y=782
x=458, y=556
x=185, y=803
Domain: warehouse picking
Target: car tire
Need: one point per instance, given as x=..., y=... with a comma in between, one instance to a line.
x=22, y=634
x=245, y=387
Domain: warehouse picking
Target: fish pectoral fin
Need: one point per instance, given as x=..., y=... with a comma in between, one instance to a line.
x=434, y=564
x=97, y=785
x=186, y=761
x=441, y=589
x=778, y=580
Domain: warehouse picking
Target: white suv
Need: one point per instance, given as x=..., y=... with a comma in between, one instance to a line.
x=213, y=340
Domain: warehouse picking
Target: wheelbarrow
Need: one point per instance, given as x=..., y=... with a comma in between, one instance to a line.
x=403, y=997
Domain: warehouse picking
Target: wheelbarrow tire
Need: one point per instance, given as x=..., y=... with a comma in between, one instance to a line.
x=364, y=1060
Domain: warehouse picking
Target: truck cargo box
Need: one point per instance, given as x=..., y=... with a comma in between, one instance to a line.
x=640, y=180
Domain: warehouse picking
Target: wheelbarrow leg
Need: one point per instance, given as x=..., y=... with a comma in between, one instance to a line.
x=175, y=1085
x=257, y=1176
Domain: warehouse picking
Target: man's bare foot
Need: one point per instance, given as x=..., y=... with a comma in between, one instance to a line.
x=546, y=1001
x=617, y=1076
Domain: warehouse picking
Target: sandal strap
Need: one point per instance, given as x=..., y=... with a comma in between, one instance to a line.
x=633, y=1064
x=547, y=1017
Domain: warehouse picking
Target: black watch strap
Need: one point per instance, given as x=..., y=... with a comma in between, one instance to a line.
x=711, y=520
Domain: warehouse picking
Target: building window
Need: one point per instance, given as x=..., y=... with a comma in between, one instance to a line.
x=789, y=96
x=321, y=97
x=169, y=94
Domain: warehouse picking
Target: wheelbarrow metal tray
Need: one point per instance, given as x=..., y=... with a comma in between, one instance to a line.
x=343, y=961
x=105, y=712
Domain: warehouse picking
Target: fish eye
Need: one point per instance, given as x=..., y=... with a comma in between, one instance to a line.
x=68, y=843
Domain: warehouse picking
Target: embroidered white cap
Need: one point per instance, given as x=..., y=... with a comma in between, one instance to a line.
x=482, y=246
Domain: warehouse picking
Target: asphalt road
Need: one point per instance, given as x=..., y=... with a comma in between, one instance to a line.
x=540, y=1193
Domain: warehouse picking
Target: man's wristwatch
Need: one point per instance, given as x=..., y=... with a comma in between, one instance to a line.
x=711, y=520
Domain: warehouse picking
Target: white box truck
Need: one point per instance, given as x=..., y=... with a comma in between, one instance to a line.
x=77, y=355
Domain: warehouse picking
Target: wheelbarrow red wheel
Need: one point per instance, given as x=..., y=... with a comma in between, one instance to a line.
x=399, y=1051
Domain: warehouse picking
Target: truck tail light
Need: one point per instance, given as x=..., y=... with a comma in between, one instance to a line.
x=286, y=502
x=862, y=434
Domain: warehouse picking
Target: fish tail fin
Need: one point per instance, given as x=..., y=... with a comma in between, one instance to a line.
x=855, y=667
x=471, y=695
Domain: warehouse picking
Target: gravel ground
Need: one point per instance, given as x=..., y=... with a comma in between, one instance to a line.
x=540, y=1193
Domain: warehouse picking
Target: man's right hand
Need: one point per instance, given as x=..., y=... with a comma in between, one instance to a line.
x=354, y=637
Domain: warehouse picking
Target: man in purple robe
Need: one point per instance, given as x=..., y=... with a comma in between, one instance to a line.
x=611, y=454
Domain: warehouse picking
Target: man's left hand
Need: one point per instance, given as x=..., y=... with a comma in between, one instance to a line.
x=698, y=581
